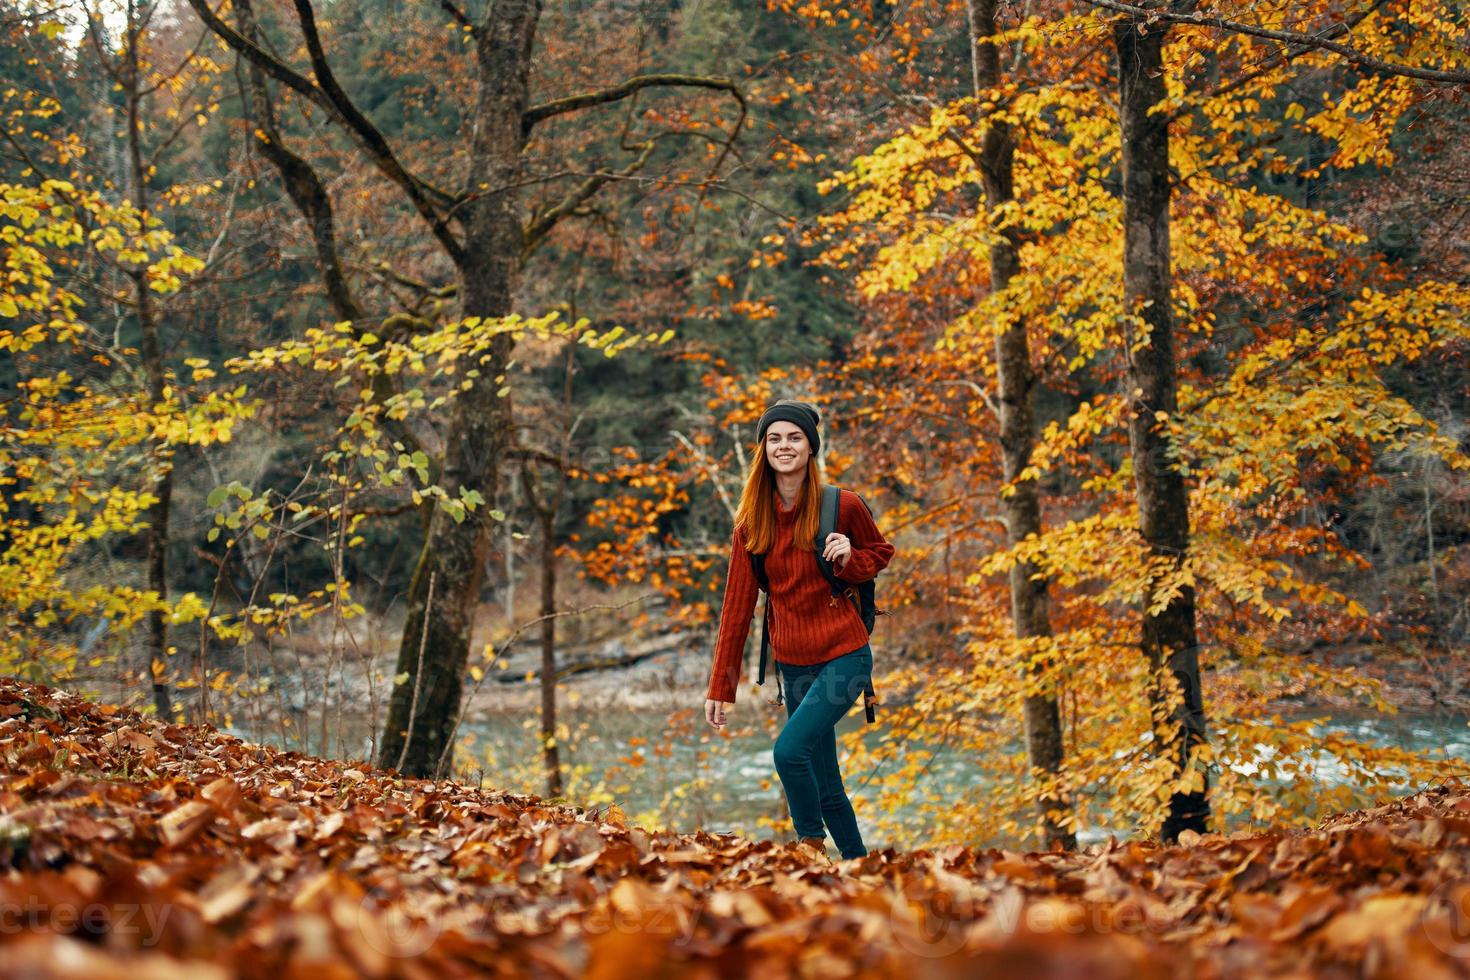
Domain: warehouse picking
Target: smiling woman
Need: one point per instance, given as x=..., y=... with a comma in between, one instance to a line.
x=820, y=645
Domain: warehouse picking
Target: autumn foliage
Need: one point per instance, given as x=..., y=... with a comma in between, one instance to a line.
x=366, y=343
x=1294, y=326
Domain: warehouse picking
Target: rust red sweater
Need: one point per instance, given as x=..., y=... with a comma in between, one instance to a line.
x=806, y=628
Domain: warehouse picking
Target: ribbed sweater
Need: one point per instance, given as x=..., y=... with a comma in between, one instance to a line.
x=807, y=627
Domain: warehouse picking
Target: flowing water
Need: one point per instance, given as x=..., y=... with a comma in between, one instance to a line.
x=740, y=786
x=664, y=766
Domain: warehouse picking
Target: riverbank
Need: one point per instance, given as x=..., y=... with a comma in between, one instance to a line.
x=614, y=686
x=634, y=734
x=1413, y=678
x=619, y=668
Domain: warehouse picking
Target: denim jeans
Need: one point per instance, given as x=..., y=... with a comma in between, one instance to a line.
x=817, y=697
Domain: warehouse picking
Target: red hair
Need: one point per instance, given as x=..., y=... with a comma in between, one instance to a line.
x=757, y=512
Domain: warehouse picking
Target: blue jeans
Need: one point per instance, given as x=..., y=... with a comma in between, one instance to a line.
x=817, y=697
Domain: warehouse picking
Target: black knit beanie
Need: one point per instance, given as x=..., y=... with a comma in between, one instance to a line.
x=803, y=415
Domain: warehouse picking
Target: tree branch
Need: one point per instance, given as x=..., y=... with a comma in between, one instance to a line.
x=1321, y=41
x=418, y=285
x=542, y=224
x=573, y=103
x=259, y=56
x=373, y=141
x=307, y=191
x=300, y=180
x=357, y=126
x=1296, y=51
x=528, y=453
x=458, y=16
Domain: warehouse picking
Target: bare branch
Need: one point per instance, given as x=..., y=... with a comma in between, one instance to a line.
x=307, y=191
x=574, y=202
x=299, y=179
x=710, y=469
x=615, y=93
x=418, y=285
x=528, y=453
x=542, y=224
x=420, y=193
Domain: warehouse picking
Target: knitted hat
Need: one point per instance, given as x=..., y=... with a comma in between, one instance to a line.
x=803, y=415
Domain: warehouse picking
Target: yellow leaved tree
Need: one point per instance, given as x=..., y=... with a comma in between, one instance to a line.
x=80, y=445
x=1257, y=383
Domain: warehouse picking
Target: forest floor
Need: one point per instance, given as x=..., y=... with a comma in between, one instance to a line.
x=132, y=848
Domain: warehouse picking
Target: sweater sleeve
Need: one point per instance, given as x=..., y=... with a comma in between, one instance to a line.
x=741, y=591
x=870, y=551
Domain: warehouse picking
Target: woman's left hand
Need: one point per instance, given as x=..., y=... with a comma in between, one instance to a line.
x=837, y=550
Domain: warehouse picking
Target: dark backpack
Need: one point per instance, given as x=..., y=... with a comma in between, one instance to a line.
x=861, y=594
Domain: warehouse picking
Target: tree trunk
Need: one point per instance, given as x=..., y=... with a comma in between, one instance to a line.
x=152, y=350
x=157, y=514
x=1163, y=501
x=488, y=254
x=550, y=752
x=1029, y=607
x=480, y=422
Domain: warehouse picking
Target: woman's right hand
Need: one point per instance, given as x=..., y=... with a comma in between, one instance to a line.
x=714, y=712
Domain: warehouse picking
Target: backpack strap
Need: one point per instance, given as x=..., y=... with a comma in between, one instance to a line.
x=826, y=526
x=841, y=589
x=758, y=567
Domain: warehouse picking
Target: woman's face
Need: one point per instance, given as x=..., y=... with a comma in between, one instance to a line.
x=787, y=448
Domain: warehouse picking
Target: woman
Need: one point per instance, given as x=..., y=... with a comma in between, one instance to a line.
x=820, y=645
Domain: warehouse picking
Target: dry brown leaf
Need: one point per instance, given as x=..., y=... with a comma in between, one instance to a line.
x=223, y=793
x=227, y=892
x=183, y=822
x=1379, y=916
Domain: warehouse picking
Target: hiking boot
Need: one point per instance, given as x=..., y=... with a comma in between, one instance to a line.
x=818, y=845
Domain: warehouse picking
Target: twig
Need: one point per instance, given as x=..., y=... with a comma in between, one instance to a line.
x=710, y=469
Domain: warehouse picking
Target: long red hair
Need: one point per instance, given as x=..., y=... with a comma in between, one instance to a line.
x=757, y=512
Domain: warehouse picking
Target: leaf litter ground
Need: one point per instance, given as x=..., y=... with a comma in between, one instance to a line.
x=132, y=848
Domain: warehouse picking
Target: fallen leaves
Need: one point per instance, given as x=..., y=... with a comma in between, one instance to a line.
x=133, y=848
x=227, y=892
x=184, y=821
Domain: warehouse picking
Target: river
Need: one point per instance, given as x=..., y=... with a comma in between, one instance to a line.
x=651, y=754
